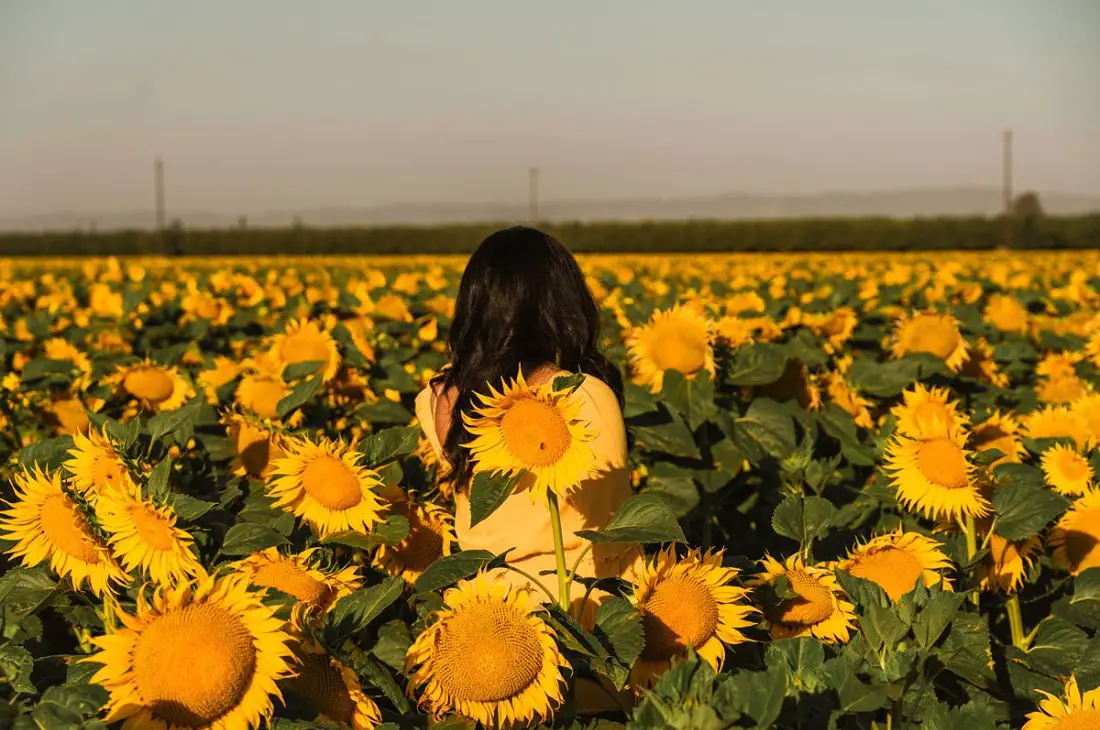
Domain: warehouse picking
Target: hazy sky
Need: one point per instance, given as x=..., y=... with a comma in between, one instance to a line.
x=262, y=105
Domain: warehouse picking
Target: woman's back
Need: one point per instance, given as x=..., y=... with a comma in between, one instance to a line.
x=523, y=525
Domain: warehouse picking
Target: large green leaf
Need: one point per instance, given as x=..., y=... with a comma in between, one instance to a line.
x=488, y=492
x=355, y=611
x=303, y=393
x=249, y=537
x=642, y=518
x=389, y=444
x=449, y=570
x=803, y=519
x=1023, y=510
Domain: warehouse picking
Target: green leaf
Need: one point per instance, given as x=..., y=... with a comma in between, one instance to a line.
x=853, y=696
x=674, y=486
x=642, y=518
x=934, y=618
x=393, y=644
x=965, y=651
x=567, y=383
x=164, y=424
x=381, y=677
x=803, y=519
x=881, y=626
x=355, y=611
x=1087, y=670
x=692, y=397
x=384, y=411
x=83, y=699
x=188, y=508
x=16, y=663
x=1023, y=510
x=488, y=492
x=803, y=658
x=389, y=444
x=770, y=425
x=1056, y=648
x=619, y=627
x=157, y=486
x=298, y=370
x=663, y=432
x=884, y=380
x=249, y=537
x=48, y=454
x=757, y=364
x=303, y=393
x=41, y=367
x=450, y=569
x=1086, y=596
x=391, y=532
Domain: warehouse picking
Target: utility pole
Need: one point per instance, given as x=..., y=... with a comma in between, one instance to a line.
x=1006, y=155
x=158, y=192
x=533, y=195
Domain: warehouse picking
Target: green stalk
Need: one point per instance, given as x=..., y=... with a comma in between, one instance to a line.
x=559, y=550
x=971, y=533
x=1016, y=622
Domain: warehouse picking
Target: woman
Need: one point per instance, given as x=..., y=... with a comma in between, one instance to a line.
x=523, y=302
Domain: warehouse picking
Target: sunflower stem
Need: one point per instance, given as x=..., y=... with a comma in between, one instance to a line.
x=971, y=547
x=1016, y=622
x=559, y=550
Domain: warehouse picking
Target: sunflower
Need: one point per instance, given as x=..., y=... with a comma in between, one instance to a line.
x=1087, y=410
x=1006, y=314
x=1008, y=561
x=95, y=466
x=896, y=560
x=300, y=576
x=330, y=688
x=931, y=332
x=820, y=608
x=1075, y=540
x=1066, y=471
x=44, y=522
x=794, y=384
x=255, y=446
x=488, y=656
x=260, y=393
x=687, y=604
x=981, y=366
x=203, y=654
x=1078, y=711
x=537, y=429
x=323, y=484
x=223, y=371
x=999, y=432
x=849, y=400
x=144, y=537
x=153, y=387
x=305, y=341
x=431, y=534
x=1054, y=422
x=836, y=327
x=933, y=475
x=921, y=407
x=677, y=339
x=67, y=414
x=57, y=348
x=1061, y=389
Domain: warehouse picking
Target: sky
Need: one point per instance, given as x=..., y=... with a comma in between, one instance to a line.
x=267, y=105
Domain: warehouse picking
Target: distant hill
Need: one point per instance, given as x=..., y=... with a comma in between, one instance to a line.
x=892, y=204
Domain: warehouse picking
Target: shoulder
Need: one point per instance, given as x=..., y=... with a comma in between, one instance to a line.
x=599, y=392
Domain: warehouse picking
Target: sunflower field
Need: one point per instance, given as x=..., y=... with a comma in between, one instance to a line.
x=865, y=486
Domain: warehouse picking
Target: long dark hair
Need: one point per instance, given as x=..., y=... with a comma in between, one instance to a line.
x=522, y=302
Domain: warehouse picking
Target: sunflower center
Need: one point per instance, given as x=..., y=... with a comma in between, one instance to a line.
x=943, y=463
x=1073, y=467
x=331, y=483
x=66, y=529
x=292, y=579
x=150, y=384
x=423, y=545
x=680, y=612
x=153, y=528
x=813, y=605
x=931, y=334
x=675, y=349
x=535, y=432
x=193, y=665
x=319, y=683
x=1079, y=720
x=894, y=569
x=304, y=347
x=488, y=652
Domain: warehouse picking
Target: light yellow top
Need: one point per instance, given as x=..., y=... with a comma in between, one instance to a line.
x=524, y=525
